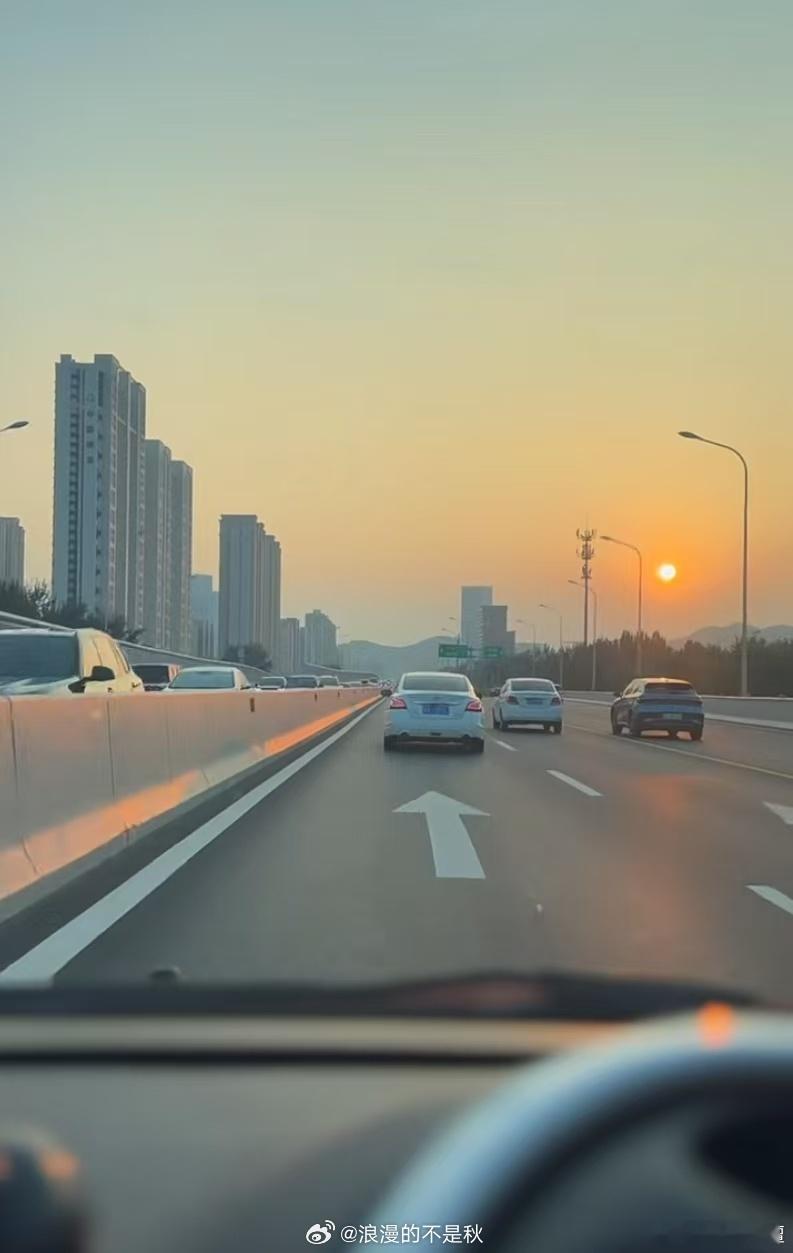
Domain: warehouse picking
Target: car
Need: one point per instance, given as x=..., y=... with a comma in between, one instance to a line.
x=43, y=662
x=210, y=679
x=437, y=707
x=387, y=688
x=528, y=702
x=658, y=704
x=156, y=675
x=329, y=680
x=271, y=683
x=302, y=680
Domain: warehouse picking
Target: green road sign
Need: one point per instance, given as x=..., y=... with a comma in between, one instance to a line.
x=454, y=650
x=492, y=651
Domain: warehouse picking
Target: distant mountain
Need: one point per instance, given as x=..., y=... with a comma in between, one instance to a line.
x=726, y=635
x=390, y=661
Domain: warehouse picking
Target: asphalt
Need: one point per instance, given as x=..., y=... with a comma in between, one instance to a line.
x=653, y=876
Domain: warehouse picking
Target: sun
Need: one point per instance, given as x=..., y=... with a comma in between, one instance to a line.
x=667, y=572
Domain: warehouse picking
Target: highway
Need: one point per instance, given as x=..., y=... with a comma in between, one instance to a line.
x=581, y=852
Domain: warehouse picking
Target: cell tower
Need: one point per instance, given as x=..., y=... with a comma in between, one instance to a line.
x=586, y=552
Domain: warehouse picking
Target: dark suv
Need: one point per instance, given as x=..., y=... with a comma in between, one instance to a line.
x=658, y=705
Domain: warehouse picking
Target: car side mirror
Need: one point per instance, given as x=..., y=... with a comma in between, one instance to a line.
x=617, y=695
x=101, y=674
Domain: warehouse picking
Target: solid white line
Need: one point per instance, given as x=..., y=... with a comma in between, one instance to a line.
x=49, y=956
x=581, y=787
x=510, y=747
x=773, y=896
x=691, y=753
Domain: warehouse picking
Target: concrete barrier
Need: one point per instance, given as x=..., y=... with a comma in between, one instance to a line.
x=82, y=777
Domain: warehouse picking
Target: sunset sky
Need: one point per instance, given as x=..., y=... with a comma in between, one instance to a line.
x=426, y=284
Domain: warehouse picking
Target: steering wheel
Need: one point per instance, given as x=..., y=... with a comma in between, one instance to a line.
x=676, y=1136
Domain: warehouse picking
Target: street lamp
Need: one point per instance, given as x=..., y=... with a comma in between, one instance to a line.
x=533, y=629
x=15, y=426
x=745, y=592
x=590, y=589
x=624, y=544
x=553, y=609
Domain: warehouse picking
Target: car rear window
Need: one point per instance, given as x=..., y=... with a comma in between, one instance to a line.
x=435, y=683
x=532, y=685
x=204, y=679
x=670, y=689
x=301, y=680
x=38, y=656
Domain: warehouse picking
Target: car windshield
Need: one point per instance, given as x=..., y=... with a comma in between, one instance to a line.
x=153, y=673
x=38, y=656
x=204, y=678
x=424, y=346
x=434, y=683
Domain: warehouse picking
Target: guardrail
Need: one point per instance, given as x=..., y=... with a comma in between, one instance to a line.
x=145, y=652
x=82, y=778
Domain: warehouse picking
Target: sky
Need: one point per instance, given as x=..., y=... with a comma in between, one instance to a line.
x=425, y=284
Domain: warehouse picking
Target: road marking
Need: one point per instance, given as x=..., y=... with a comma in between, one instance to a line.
x=49, y=956
x=691, y=755
x=580, y=787
x=510, y=747
x=785, y=812
x=452, y=851
x=773, y=896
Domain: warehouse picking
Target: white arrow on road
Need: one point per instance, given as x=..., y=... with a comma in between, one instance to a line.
x=785, y=812
x=454, y=854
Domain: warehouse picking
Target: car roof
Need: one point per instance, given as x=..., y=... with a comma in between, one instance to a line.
x=39, y=630
x=526, y=678
x=660, y=678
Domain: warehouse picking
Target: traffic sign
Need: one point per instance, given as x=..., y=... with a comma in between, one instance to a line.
x=454, y=650
x=492, y=650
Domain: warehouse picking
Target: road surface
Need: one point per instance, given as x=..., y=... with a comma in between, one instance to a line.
x=580, y=852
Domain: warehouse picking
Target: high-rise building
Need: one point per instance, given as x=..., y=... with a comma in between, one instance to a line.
x=288, y=652
x=180, y=558
x=272, y=595
x=204, y=615
x=494, y=633
x=250, y=584
x=98, y=498
x=12, y=551
x=320, y=639
x=157, y=546
x=472, y=600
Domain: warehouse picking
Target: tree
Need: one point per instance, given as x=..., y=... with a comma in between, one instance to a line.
x=258, y=656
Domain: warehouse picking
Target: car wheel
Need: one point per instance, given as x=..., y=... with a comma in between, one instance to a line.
x=496, y=723
x=477, y=746
x=616, y=729
x=696, y=734
x=504, y=726
x=634, y=729
x=558, y=729
x=672, y=735
x=388, y=743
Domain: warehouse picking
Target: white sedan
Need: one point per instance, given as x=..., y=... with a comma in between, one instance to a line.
x=530, y=702
x=435, y=707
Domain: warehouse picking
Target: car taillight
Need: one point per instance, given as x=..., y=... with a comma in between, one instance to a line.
x=474, y=707
x=512, y=700
x=557, y=700
x=397, y=702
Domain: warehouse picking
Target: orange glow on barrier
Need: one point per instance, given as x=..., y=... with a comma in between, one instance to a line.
x=716, y=1025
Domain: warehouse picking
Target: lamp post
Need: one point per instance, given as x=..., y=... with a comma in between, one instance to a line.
x=532, y=627
x=588, y=588
x=624, y=544
x=553, y=609
x=745, y=589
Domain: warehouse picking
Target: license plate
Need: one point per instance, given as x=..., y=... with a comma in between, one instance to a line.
x=435, y=709
x=532, y=700
x=678, y=716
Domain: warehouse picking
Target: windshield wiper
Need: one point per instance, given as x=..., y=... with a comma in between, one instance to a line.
x=494, y=994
